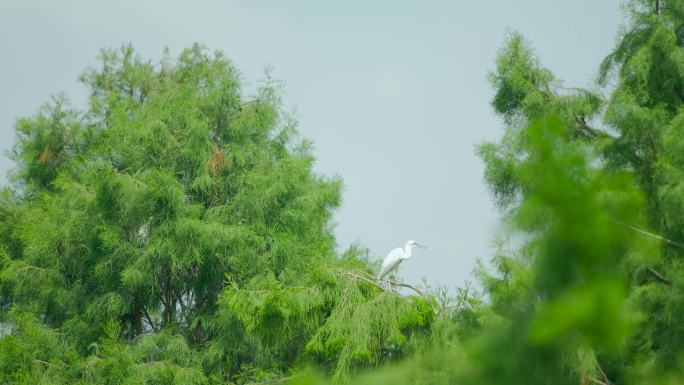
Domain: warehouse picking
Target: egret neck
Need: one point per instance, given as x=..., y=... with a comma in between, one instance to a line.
x=407, y=250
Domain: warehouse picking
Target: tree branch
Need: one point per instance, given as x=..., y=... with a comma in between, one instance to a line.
x=29, y=267
x=406, y=285
x=49, y=365
x=651, y=270
x=367, y=280
x=372, y=281
x=149, y=320
x=659, y=276
x=603, y=374
x=590, y=132
x=643, y=232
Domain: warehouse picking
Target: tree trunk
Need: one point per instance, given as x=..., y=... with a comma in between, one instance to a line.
x=137, y=316
x=169, y=303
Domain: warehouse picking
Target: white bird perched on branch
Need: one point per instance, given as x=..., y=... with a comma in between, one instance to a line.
x=394, y=258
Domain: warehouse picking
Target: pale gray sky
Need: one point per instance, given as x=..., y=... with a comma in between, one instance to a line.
x=393, y=93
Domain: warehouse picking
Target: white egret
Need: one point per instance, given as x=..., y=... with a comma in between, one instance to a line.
x=394, y=258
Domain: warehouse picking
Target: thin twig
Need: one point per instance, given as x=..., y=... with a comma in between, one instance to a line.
x=462, y=298
x=407, y=286
x=651, y=270
x=395, y=283
x=642, y=231
x=44, y=363
x=603, y=374
x=656, y=236
x=29, y=267
x=658, y=275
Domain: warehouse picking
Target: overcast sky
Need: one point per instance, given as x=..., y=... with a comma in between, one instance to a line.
x=394, y=94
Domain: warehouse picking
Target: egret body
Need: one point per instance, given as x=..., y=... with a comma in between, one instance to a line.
x=395, y=257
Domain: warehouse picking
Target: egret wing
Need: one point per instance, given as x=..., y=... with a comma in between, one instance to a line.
x=392, y=260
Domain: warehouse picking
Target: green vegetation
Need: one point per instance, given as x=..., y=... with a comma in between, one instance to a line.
x=175, y=233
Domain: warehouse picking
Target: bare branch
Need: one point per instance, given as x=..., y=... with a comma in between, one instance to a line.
x=149, y=320
x=367, y=280
x=407, y=286
x=589, y=131
x=49, y=365
x=643, y=232
x=659, y=276
x=29, y=267
x=606, y=381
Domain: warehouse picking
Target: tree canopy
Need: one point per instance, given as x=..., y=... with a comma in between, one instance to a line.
x=175, y=231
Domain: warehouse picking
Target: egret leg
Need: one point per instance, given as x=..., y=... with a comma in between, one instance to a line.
x=390, y=282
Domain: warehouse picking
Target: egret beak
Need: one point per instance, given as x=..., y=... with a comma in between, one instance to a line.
x=421, y=246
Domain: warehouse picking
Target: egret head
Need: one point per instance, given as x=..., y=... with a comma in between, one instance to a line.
x=413, y=243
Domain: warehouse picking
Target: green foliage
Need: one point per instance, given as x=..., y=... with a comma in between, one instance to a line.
x=591, y=291
x=593, y=204
x=31, y=353
x=175, y=233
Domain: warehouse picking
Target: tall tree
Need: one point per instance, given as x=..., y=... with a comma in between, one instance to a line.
x=176, y=229
x=641, y=136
